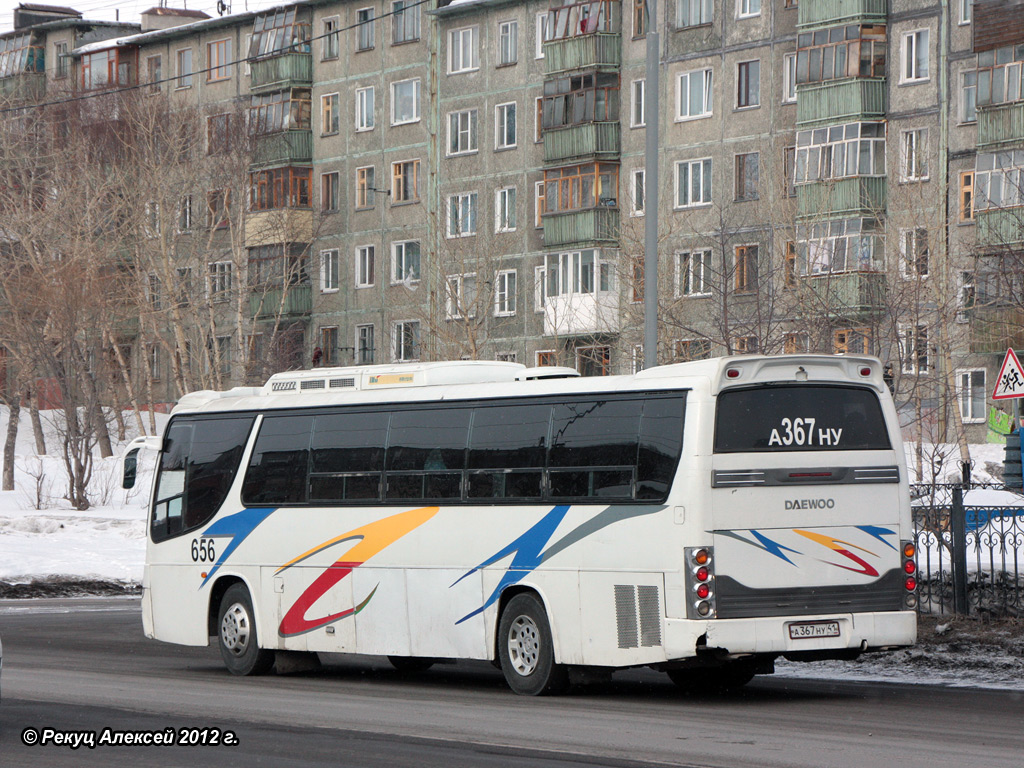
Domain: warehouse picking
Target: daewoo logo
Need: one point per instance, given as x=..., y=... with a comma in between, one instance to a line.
x=810, y=503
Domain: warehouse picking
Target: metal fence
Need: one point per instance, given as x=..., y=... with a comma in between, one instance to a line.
x=970, y=546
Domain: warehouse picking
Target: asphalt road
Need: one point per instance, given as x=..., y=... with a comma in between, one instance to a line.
x=83, y=666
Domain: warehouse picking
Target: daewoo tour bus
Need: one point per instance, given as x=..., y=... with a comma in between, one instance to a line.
x=701, y=518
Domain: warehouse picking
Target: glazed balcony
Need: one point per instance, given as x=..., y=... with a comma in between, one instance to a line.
x=590, y=226
x=284, y=148
x=578, y=142
x=1000, y=124
x=1000, y=227
x=597, y=49
x=827, y=13
x=267, y=304
x=840, y=101
x=289, y=70
x=844, y=294
x=24, y=86
x=578, y=314
x=993, y=330
x=855, y=196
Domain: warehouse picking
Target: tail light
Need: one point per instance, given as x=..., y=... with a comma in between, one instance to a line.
x=909, y=551
x=700, y=582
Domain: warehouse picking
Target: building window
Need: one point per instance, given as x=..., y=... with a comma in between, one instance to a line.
x=789, y=266
x=575, y=272
x=693, y=183
x=748, y=8
x=538, y=204
x=693, y=272
x=365, y=29
x=280, y=111
x=914, y=252
x=580, y=99
x=594, y=361
x=154, y=73
x=405, y=261
x=972, y=395
x=505, y=126
x=639, y=177
x=694, y=95
x=543, y=32
x=637, y=113
x=330, y=114
x=579, y=187
x=329, y=345
x=639, y=18
x=364, y=109
x=463, y=50
x=789, y=78
x=330, y=39
x=462, y=132
x=914, y=57
x=789, y=171
x=966, y=11
x=538, y=125
x=185, y=214
x=280, y=188
x=405, y=181
x=406, y=341
x=364, y=266
x=508, y=43
x=851, y=341
x=329, y=268
x=854, y=149
x=330, y=192
x=218, y=134
x=462, y=214
x=219, y=280
x=218, y=60
x=505, y=293
x=748, y=84
x=364, y=344
x=747, y=173
x=505, y=210
x=796, y=343
x=184, y=63
x=745, y=345
x=405, y=21
x=969, y=96
x=999, y=75
x=460, y=296
x=692, y=349
x=365, y=197
x=914, y=155
x=967, y=196
x=60, y=56
x=693, y=13
x=914, y=349
x=405, y=101
x=840, y=52
x=153, y=361
x=845, y=245
x=218, y=208
x=745, y=269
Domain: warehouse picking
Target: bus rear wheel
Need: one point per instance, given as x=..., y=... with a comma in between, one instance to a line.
x=526, y=650
x=236, y=634
x=727, y=678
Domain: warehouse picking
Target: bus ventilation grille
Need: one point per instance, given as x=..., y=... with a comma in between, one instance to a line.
x=335, y=383
x=312, y=384
x=638, y=616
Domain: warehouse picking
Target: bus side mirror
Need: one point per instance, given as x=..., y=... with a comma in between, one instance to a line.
x=131, y=466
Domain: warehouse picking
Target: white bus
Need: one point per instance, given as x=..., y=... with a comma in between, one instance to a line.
x=702, y=518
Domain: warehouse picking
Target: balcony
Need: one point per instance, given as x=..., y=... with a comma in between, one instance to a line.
x=841, y=101
x=577, y=142
x=579, y=314
x=1000, y=124
x=844, y=294
x=268, y=304
x=279, y=72
x=598, y=49
x=856, y=196
x=284, y=148
x=826, y=13
x=24, y=86
x=591, y=226
x=999, y=227
x=996, y=329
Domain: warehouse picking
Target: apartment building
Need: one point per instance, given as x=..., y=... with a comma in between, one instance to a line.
x=466, y=179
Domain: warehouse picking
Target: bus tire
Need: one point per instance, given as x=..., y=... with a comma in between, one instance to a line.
x=411, y=664
x=705, y=681
x=236, y=634
x=526, y=650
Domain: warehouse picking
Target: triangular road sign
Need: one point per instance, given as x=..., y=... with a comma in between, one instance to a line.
x=1010, y=382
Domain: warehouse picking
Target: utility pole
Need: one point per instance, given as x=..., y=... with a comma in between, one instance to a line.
x=651, y=93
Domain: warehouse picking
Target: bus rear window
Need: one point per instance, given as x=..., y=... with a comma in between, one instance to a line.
x=799, y=417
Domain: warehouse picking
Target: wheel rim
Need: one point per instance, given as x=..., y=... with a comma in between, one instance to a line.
x=235, y=629
x=524, y=645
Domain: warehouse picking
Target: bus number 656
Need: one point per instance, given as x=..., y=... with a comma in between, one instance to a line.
x=202, y=551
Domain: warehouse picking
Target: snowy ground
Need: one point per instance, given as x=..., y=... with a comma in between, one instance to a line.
x=44, y=544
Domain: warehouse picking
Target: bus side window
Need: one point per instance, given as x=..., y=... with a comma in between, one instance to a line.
x=170, y=487
x=217, y=446
x=661, y=442
x=594, y=447
x=426, y=454
x=347, y=457
x=279, y=467
x=507, y=451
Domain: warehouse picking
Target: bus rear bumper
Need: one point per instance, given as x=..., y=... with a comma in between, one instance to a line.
x=792, y=635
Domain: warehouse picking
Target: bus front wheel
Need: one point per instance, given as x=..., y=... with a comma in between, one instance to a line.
x=236, y=634
x=526, y=651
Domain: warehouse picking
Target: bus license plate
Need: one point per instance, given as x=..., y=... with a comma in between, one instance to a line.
x=809, y=629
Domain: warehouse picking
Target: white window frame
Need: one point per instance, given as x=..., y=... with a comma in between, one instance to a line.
x=505, y=209
x=964, y=89
x=708, y=94
x=908, y=248
x=789, y=78
x=401, y=272
x=183, y=76
x=698, y=283
x=331, y=46
x=415, y=117
x=914, y=154
x=465, y=214
x=637, y=191
x=398, y=353
x=966, y=15
x=455, y=299
x=364, y=271
x=543, y=33
x=506, y=282
x=699, y=13
x=463, y=126
x=400, y=23
x=964, y=386
x=638, y=103
x=330, y=263
x=219, y=279
x=538, y=204
x=457, y=41
x=501, y=125
x=910, y=44
x=365, y=102
x=508, y=43
x=909, y=338
x=691, y=164
x=748, y=9
x=359, y=350
x=366, y=31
